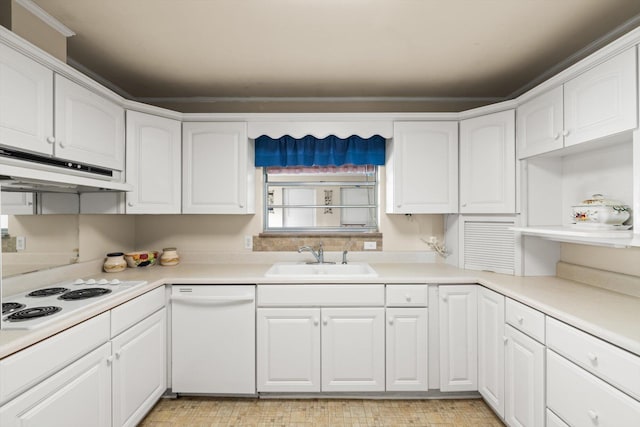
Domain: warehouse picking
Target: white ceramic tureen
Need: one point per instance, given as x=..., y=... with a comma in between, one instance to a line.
x=599, y=212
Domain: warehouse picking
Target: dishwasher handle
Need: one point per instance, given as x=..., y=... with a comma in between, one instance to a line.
x=212, y=300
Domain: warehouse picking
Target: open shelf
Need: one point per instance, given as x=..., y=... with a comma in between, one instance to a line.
x=610, y=238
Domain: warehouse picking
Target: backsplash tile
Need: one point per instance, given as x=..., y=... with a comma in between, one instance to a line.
x=268, y=242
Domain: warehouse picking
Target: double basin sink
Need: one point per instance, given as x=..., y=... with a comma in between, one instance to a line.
x=302, y=270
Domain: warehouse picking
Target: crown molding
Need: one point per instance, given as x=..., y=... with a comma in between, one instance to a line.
x=46, y=17
x=317, y=99
x=98, y=78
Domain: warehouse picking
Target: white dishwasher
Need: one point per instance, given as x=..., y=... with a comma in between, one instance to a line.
x=213, y=339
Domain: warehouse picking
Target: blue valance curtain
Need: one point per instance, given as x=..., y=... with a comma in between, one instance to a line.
x=312, y=151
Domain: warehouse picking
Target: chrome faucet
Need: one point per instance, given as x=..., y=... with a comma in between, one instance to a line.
x=319, y=256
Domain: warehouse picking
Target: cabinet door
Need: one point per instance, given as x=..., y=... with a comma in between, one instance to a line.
x=353, y=349
x=491, y=348
x=139, y=369
x=407, y=349
x=602, y=101
x=540, y=124
x=422, y=168
x=218, y=169
x=78, y=395
x=153, y=164
x=487, y=164
x=458, y=310
x=524, y=380
x=89, y=128
x=26, y=103
x=288, y=349
x=17, y=203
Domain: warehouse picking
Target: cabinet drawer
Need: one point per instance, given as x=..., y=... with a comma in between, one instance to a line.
x=407, y=295
x=28, y=367
x=616, y=366
x=581, y=399
x=320, y=295
x=525, y=319
x=554, y=421
x=130, y=313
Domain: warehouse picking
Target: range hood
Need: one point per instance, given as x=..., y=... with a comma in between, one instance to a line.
x=18, y=178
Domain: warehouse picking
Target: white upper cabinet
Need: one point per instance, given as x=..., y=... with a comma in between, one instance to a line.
x=487, y=164
x=598, y=103
x=89, y=128
x=218, y=168
x=26, y=103
x=602, y=101
x=540, y=124
x=422, y=168
x=153, y=164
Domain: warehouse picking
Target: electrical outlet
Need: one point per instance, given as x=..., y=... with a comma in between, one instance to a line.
x=248, y=242
x=21, y=243
x=370, y=246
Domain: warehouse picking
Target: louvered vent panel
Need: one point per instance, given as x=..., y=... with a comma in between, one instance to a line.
x=489, y=246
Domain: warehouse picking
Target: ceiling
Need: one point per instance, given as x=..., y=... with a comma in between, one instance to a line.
x=237, y=49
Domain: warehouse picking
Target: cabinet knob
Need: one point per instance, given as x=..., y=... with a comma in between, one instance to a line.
x=556, y=136
x=109, y=360
x=464, y=205
x=445, y=298
x=118, y=354
x=593, y=415
x=566, y=132
x=505, y=339
x=51, y=140
x=520, y=319
x=130, y=204
x=391, y=320
x=325, y=321
x=316, y=321
x=241, y=205
x=61, y=144
x=398, y=206
x=408, y=298
x=593, y=358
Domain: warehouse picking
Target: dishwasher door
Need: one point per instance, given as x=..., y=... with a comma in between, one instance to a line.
x=213, y=339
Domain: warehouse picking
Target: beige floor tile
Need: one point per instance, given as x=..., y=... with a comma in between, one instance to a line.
x=209, y=412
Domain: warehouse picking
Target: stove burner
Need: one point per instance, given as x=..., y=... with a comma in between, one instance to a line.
x=32, y=313
x=47, y=292
x=84, y=294
x=10, y=307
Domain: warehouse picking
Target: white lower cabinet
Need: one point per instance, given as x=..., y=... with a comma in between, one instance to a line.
x=288, y=348
x=78, y=395
x=524, y=385
x=491, y=348
x=406, y=347
x=299, y=352
x=554, y=421
x=582, y=399
x=458, y=309
x=139, y=369
x=353, y=349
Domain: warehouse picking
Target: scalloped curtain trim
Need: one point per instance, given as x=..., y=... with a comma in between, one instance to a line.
x=311, y=151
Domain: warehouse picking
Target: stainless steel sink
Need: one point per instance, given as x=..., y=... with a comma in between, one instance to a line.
x=291, y=270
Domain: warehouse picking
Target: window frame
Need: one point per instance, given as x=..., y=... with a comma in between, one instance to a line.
x=375, y=184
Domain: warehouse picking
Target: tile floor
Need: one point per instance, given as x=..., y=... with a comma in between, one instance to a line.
x=204, y=411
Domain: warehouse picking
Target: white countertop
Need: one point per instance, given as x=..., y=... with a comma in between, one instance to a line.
x=609, y=315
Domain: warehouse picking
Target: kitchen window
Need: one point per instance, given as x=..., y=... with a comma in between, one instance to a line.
x=325, y=184
x=328, y=199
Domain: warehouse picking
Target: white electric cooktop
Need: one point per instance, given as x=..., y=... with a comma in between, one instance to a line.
x=39, y=307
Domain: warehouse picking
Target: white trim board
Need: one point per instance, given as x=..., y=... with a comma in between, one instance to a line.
x=45, y=17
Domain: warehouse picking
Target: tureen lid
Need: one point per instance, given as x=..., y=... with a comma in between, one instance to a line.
x=600, y=200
